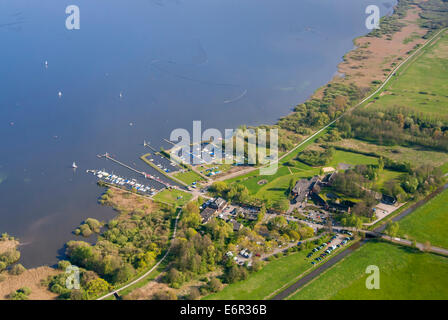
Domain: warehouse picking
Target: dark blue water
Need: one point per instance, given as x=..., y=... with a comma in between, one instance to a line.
x=225, y=62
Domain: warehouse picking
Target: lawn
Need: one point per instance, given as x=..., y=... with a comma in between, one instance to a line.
x=421, y=85
x=173, y=196
x=404, y=274
x=188, y=177
x=275, y=186
x=264, y=282
x=350, y=158
x=385, y=176
x=276, y=189
x=429, y=222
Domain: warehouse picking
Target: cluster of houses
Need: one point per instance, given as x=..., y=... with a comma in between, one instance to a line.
x=310, y=188
x=219, y=208
x=212, y=209
x=305, y=189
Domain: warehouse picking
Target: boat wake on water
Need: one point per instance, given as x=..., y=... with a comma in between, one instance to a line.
x=156, y=64
x=241, y=96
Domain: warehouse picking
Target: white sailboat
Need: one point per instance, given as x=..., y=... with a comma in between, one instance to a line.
x=60, y=94
x=74, y=166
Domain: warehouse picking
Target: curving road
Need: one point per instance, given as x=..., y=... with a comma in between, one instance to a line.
x=148, y=272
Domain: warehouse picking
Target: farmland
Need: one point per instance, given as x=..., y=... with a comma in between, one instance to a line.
x=404, y=274
x=429, y=222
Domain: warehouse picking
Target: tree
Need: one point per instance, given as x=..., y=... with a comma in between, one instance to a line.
x=220, y=188
x=97, y=286
x=164, y=295
x=175, y=278
x=21, y=294
x=194, y=294
x=123, y=273
x=17, y=269
x=63, y=264
x=392, y=229
x=214, y=285
x=191, y=217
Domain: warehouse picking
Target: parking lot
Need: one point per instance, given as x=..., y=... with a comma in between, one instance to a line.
x=324, y=250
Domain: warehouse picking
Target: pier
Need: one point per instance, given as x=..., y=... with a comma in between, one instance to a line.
x=146, y=175
x=146, y=144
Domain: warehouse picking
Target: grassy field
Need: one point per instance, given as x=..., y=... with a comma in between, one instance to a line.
x=351, y=158
x=174, y=197
x=188, y=177
x=387, y=175
x=274, y=186
x=404, y=274
x=416, y=156
x=276, y=189
x=262, y=283
x=421, y=85
x=429, y=222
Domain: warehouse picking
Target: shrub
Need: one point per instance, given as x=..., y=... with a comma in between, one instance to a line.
x=17, y=269
x=63, y=264
x=21, y=294
x=194, y=294
x=165, y=295
x=215, y=285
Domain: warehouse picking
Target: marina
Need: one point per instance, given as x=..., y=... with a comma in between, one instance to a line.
x=130, y=184
x=144, y=174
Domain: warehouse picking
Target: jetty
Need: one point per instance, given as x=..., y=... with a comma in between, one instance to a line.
x=144, y=174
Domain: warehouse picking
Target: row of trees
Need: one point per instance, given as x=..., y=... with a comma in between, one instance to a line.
x=317, y=157
x=316, y=113
x=396, y=126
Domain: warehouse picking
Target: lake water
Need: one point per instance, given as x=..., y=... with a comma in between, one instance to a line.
x=225, y=62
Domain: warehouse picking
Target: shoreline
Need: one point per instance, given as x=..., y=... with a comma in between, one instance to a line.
x=317, y=90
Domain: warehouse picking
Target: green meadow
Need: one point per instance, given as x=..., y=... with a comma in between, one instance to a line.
x=173, y=196
x=421, y=85
x=188, y=177
x=260, y=284
x=429, y=222
x=404, y=274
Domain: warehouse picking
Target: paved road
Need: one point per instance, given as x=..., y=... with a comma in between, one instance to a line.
x=376, y=232
x=316, y=272
x=340, y=256
x=421, y=246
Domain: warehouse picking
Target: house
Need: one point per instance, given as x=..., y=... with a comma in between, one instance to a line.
x=301, y=190
x=388, y=200
x=218, y=204
x=252, y=216
x=207, y=214
x=236, y=226
x=318, y=199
